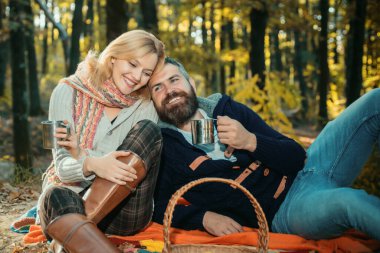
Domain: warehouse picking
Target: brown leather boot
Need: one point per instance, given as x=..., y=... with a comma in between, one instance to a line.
x=103, y=195
x=77, y=234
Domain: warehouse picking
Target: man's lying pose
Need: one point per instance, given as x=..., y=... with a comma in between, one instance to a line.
x=307, y=194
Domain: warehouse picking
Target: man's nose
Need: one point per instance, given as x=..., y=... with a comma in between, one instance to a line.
x=170, y=89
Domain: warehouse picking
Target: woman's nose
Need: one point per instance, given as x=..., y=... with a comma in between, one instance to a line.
x=137, y=73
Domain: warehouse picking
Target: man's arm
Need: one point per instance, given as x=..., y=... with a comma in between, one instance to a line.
x=191, y=217
x=273, y=149
x=187, y=217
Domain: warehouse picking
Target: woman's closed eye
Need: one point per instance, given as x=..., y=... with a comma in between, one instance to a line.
x=133, y=64
x=147, y=74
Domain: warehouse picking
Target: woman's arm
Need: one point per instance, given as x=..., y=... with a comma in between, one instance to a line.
x=67, y=167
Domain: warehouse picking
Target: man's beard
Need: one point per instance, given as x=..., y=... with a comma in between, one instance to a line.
x=179, y=114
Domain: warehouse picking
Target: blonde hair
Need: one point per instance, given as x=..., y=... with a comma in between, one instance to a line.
x=130, y=45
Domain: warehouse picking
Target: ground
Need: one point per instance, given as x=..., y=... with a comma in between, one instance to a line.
x=15, y=201
x=15, y=197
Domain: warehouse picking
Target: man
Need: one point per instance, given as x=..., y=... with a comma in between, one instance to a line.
x=310, y=199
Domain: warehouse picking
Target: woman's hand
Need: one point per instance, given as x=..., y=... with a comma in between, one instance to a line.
x=110, y=168
x=233, y=134
x=68, y=140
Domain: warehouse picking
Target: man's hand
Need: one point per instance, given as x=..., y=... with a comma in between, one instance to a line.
x=218, y=225
x=233, y=134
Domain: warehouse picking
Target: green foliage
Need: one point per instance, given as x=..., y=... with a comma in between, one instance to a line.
x=371, y=82
x=272, y=103
x=6, y=100
x=336, y=97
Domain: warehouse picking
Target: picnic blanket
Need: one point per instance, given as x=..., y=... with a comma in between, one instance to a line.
x=152, y=240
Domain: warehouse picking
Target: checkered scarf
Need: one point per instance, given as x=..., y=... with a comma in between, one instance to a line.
x=89, y=104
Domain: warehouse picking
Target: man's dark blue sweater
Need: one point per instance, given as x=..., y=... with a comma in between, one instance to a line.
x=280, y=158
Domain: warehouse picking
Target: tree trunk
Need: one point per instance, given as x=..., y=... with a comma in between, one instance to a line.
x=223, y=35
x=89, y=21
x=232, y=45
x=45, y=46
x=369, y=53
x=21, y=139
x=203, y=27
x=189, y=40
x=4, y=49
x=354, y=61
x=205, y=44
x=335, y=48
x=89, y=26
x=77, y=24
x=298, y=65
x=117, y=18
x=149, y=14
x=276, y=62
x=34, y=90
x=299, y=38
x=258, y=19
x=214, y=78
x=245, y=43
x=323, y=64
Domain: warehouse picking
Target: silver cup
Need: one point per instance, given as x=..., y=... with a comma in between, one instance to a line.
x=202, y=131
x=49, y=141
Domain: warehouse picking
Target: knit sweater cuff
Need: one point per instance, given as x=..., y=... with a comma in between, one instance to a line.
x=81, y=161
x=264, y=148
x=198, y=219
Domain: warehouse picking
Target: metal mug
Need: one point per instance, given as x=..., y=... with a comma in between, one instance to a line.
x=202, y=131
x=49, y=141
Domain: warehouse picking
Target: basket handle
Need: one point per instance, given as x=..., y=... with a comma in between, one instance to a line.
x=263, y=231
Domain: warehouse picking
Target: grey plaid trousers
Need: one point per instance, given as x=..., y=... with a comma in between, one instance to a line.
x=135, y=212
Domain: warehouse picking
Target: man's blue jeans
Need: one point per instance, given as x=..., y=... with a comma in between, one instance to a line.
x=320, y=203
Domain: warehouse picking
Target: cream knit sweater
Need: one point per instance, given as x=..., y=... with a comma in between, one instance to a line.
x=107, y=138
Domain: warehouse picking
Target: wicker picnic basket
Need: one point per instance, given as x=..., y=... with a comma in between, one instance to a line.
x=263, y=231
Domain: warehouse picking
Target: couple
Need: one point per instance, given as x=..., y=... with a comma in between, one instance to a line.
x=107, y=104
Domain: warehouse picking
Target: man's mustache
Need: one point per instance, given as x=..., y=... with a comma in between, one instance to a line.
x=172, y=95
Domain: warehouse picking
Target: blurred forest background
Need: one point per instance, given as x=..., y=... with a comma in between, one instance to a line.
x=298, y=63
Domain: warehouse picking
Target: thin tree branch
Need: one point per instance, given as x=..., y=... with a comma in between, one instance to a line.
x=62, y=31
x=59, y=26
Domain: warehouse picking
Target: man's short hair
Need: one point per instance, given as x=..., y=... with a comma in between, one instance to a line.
x=169, y=60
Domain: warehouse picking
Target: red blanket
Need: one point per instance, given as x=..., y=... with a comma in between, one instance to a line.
x=350, y=242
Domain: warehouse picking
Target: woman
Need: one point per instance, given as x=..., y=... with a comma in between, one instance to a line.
x=106, y=103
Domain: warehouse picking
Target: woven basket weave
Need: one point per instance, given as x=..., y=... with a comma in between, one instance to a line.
x=263, y=231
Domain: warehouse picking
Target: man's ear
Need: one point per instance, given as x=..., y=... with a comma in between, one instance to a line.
x=192, y=83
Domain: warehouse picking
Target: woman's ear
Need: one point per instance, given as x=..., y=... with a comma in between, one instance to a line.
x=112, y=60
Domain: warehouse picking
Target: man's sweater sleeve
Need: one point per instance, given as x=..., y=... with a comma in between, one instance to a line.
x=187, y=217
